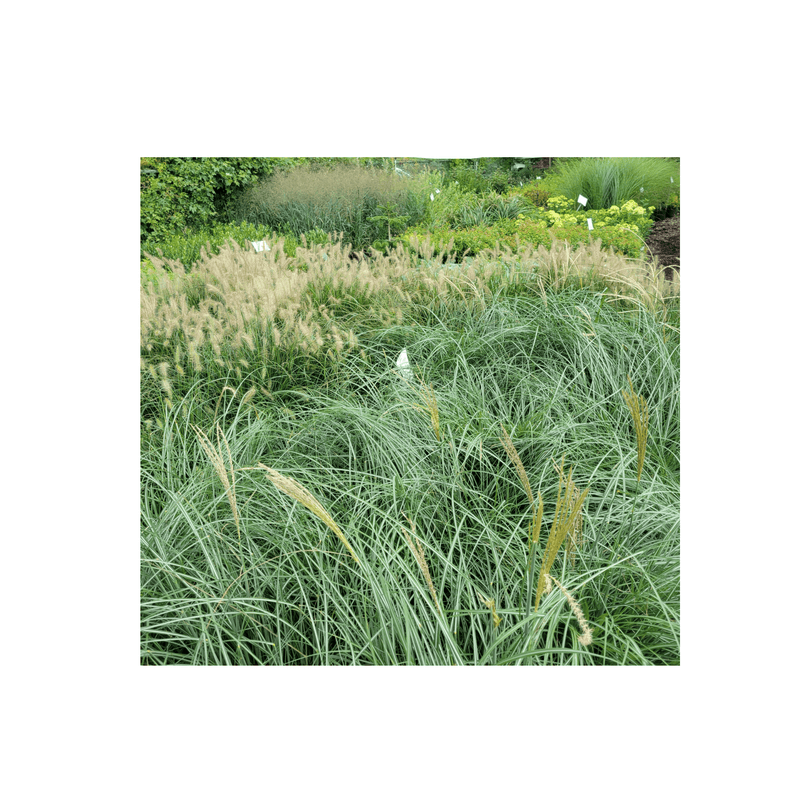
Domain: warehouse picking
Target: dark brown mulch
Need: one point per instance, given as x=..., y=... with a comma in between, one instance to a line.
x=664, y=242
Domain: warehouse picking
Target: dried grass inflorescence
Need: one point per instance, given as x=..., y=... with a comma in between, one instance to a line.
x=496, y=618
x=216, y=457
x=242, y=305
x=536, y=523
x=641, y=416
x=566, y=522
x=575, y=532
x=298, y=492
x=431, y=407
x=419, y=556
x=586, y=632
x=627, y=278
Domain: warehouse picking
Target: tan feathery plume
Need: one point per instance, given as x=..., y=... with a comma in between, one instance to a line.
x=508, y=445
x=215, y=456
x=575, y=537
x=586, y=632
x=496, y=618
x=568, y=509
x=419, y=555
x=535, y=525
x=430, y=407
x=638, y=408
x=298, y=492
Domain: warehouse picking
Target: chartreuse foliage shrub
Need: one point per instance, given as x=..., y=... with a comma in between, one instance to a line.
x=560, y=212
x=622, y=228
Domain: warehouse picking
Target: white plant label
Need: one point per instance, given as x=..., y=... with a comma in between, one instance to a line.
x=259, y=246
x=431, y=196
x=582, y=200
x=589, y=223
x=404, y=366
x=437, y=191
x=671, y=181
x=641, y=191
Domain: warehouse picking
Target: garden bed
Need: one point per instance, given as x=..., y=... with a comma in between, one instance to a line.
x=664, y=242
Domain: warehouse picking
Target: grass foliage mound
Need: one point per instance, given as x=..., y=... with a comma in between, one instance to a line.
x=509, y=497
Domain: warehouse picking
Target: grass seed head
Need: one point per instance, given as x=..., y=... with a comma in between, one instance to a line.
x=298, y=492
x=638, y=408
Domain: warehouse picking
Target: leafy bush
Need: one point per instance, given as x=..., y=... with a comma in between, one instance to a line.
x=189, y=193
x=445, y=209
x=561, y=211
x=463, y=173
x=533, y=192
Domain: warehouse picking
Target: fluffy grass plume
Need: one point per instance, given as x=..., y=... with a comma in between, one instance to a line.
x=536, y=523
x=215, y=456
x=419, y=555
x=568, y=510
x=304, y=497
x=575, y=533
x=586, y=632
x=430, y=407
x=638, y=407
x=496, y=618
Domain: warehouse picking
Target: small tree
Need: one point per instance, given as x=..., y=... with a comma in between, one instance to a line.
x=390, y=217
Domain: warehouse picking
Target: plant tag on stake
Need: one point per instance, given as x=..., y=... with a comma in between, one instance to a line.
x=671, y=181
x=259, y=246
x=582, y=200
x=589, y=223
x=404, y=366
x=431, y=196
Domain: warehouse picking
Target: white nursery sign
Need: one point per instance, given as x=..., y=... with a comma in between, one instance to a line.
x=403, y=365
x=582, y=200
x=259, y=246
x=589, y=223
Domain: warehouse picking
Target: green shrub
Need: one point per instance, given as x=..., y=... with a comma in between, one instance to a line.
x=561, y=211
x=464, y=174
x=625, y=239
x=189, y=193
x=186, y=248
x=533, y=192
x=445, y=210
